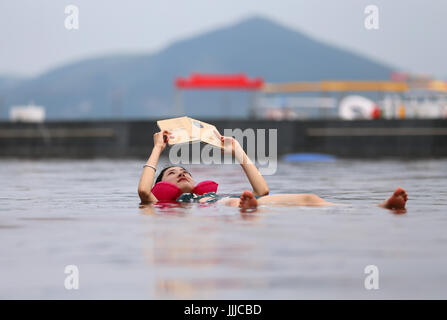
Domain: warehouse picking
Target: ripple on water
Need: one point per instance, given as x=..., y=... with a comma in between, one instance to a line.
x=56, y=213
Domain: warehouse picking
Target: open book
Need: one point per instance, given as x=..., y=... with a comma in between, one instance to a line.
x=185, y=129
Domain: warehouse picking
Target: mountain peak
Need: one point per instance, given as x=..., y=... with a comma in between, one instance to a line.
x=261, y=23
x=143, y=85
x=257, y=20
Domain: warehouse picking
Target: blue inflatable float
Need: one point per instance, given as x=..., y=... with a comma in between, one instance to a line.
x=308, y=157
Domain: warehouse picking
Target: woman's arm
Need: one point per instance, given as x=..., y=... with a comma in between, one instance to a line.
x=256, y=179
x=147, y=177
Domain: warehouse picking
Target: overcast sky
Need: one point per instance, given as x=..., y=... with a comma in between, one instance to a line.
x=33, y=38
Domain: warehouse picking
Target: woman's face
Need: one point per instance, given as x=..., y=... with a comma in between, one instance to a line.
x=180, y=177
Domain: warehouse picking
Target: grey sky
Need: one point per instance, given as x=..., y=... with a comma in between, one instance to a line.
x=33, y=38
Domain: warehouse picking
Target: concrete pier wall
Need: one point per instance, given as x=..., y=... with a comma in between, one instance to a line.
x=133, y=139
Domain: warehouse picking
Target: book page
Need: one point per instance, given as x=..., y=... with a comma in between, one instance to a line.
x=185, y=129
x=180, y=129
x=208, y=133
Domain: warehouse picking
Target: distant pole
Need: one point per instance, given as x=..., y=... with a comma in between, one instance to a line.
x=117, y=104
x=252, y=105
x=226, y=105
x=178, y=103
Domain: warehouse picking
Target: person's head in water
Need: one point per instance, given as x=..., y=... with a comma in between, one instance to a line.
x=178, y=176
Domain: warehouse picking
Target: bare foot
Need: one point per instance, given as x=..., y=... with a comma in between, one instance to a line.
x=248, y=201
x=396, y=201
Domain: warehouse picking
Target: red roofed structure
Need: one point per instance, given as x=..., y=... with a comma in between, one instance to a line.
x=204, y=81
x=219, y=82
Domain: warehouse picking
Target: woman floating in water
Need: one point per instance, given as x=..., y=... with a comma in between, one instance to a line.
x=181, y=180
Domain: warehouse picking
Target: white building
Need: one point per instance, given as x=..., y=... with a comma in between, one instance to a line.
x=29, y=113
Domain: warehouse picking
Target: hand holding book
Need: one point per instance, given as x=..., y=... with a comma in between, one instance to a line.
x=185, y=130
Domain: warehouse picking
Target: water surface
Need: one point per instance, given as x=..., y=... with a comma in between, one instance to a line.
x=86, y=213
